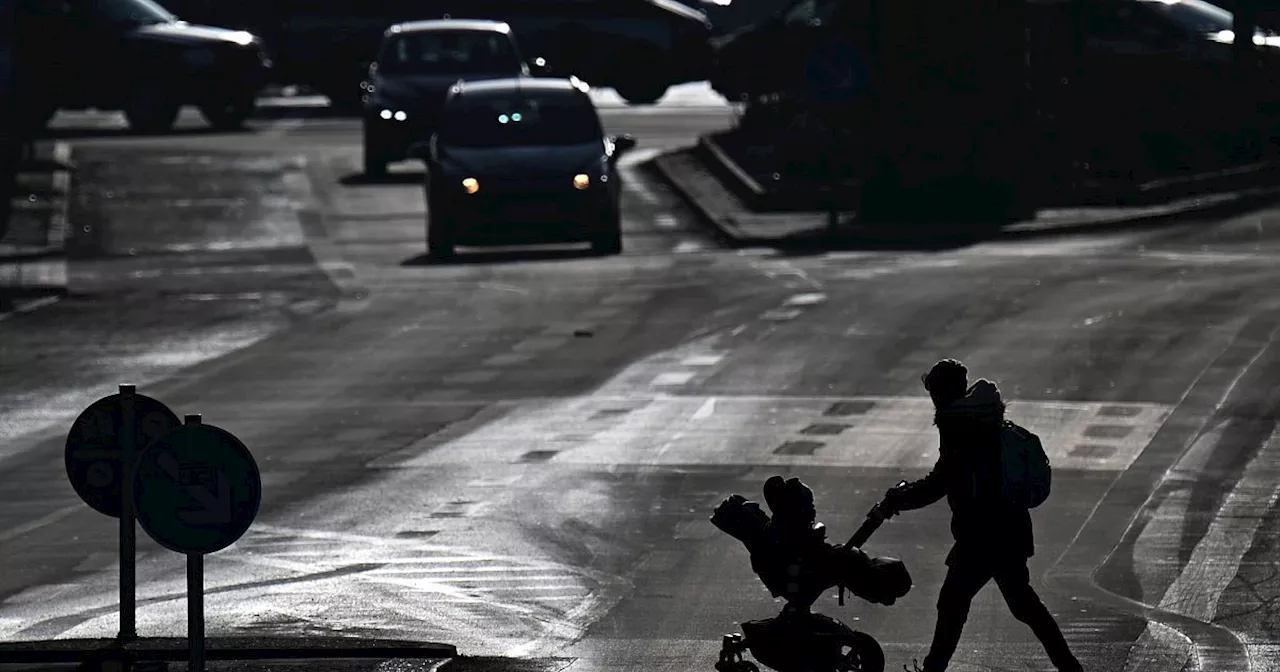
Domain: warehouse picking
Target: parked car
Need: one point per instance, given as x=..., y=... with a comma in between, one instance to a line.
x=134, y=56
x=417, y=64
x=520, y=161
x=639, y=47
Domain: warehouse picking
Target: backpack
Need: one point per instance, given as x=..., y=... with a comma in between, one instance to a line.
x=1024, y=465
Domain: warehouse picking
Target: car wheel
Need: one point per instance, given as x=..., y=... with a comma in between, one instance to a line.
x=149, y=109
x=439, y=234
x=374, y=165
x=230, y=114
x=643, y=90
x=609, y=241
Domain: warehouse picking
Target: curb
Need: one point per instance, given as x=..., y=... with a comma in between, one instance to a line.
x=721, y=226
x=175, y=649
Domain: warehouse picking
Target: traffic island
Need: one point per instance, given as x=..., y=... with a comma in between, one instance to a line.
x=33, y=234
x=715, y=202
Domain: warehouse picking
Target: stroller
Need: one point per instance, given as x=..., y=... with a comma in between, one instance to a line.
x=792, y=558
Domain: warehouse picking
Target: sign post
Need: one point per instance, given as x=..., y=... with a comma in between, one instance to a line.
x=197, y=490
x=128, y=530
x=101, y=452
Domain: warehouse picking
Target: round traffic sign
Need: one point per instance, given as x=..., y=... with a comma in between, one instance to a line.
x=835, y=72
x=197, y=489
x=92, y=455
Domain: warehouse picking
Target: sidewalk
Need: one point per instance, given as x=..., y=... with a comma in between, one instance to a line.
x=33, y=263
x=740, y=211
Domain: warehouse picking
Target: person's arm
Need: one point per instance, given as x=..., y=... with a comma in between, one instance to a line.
x=921, y=493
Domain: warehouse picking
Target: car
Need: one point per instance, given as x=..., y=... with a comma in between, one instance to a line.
x=519, y=161
x=134, y=56
x=417, y=64
x=638, y=47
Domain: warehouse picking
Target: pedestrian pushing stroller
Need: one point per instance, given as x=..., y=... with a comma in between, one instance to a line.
x=790, y=554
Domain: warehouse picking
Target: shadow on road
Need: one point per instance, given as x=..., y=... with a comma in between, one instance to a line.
x=504, y=256
x=1247, y=196
x=390, y=179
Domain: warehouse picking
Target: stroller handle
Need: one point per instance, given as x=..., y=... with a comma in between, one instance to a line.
x=875, y=518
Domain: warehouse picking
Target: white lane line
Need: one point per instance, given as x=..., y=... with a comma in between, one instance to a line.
x=702, y=360
x=688, y=246
x=1216, y=558
x=706, y=409
x=471, y=377
x=48, y=519
x=806, y=299
x=665, y=222
x=507, y=359
x=780, y=315
x=673, y=378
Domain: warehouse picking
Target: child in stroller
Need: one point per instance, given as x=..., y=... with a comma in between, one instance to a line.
x=790, y=554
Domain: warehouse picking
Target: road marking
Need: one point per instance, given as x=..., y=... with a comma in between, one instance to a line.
x=673, y=378
x=702, y=360
x=780, y=315
x=540, y=343
x=1216, y=558
x=882, y=432
x=806, y=299
x=705, y=410
x=48, y=519
x=471, y=377
x=688, y=247
x=508, y=358
x=665, y=221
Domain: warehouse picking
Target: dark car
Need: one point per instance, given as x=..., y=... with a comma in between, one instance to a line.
x=417, y=64
x=135, y=56
x=519, y=161
x=638, y=47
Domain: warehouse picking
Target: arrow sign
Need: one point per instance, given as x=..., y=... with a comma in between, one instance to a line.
x=197, y=489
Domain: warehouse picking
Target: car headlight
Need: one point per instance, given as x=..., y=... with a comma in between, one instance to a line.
x=398, y=115
x=471, y=184
x=581, y=181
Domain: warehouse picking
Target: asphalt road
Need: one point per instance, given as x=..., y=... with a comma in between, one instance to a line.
x=517, y=452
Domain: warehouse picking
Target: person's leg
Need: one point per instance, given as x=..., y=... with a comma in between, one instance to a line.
x=1015, y=584
x=964, y=580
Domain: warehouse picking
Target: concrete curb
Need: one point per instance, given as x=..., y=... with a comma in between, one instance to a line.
x=220, y=648
x=33, y=270
x=722, y=226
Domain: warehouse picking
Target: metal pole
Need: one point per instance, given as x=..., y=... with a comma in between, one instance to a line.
x=195, y=604
x=128, y=530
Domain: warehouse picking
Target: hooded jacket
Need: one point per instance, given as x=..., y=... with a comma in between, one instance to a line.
x=967, y=473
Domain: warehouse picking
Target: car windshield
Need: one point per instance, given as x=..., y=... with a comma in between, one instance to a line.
x=128, y=12
x=527, y=122
x=1193, y=16
x=450, y=53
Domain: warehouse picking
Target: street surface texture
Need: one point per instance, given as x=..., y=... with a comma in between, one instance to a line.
x=517, y=452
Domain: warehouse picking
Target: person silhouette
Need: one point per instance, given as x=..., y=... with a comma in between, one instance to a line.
x=993, y=538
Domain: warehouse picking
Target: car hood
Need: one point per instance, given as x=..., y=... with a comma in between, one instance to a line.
x=186, y=33
x=539, y=161
x=413, y=90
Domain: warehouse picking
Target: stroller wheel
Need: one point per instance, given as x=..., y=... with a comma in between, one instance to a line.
x=865, y=654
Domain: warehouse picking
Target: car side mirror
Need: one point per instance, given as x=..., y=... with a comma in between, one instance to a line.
x=624, y=143
x=420, y=150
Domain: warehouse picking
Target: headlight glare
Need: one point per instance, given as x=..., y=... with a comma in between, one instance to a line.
x=471, y=184
x=385, y=114
x=400, y=115
x=581, y=181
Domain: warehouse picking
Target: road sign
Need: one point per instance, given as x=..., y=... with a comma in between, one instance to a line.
x=93, y=451
x=836, y=72
x=197, y=489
